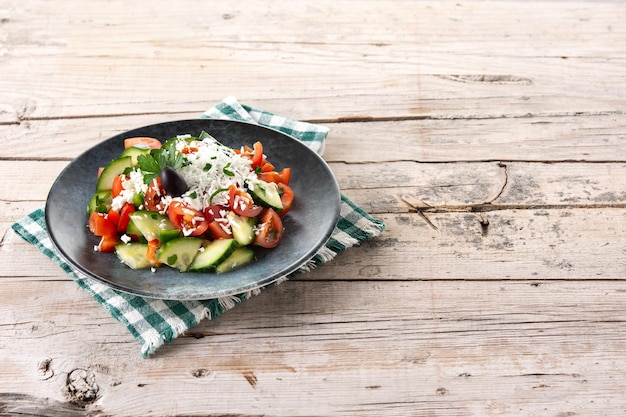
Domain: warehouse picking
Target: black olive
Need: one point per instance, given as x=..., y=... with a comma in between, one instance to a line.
x=174, y=184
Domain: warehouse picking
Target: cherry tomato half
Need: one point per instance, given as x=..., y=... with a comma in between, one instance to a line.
x=122, y=225
x=241, y=203
x=270, y=230
x=219, y=230
x=107, y=243
x=190, y=221
x=214, y=211
x=117, y=187
x=272, y=176
x=154, y=195
x=286, y=197
x=101, y=225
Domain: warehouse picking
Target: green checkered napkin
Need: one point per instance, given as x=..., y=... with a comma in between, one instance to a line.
x=154, y=322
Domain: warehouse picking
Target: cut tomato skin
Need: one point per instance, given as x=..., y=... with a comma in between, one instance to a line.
x=241, y=203
x=257, y=154
x=114, y=217
x=283, y=176
x=107, y=243
x=190, y=221
x=214, y=211
x=286, y=197
x=216, y=231
x=270, y=230
x=117, y=187
x=151, y=143
x=154, y=195
x=101, y=225
x=122, y=225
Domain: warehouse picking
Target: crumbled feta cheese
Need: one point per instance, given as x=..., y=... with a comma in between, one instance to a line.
x=133, y=184
x=125, y=238
x=209, y=172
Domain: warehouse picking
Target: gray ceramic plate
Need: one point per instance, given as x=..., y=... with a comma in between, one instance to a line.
x=308, y=225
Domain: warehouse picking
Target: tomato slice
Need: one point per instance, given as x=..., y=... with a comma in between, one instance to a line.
x=107, y=243
x=242, y=203
x=272, y=176
x=267, y=167
x=286, y=197
x=257, y=154
x=117, y=187
x=190, y=221
x=101, y=225
x=214, y=211
x=219, y=230
x=154, y=195
x=114, y=217
x=142, y=142
x=270, y=230
x=122, y=225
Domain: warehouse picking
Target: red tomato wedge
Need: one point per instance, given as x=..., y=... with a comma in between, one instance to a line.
x=190, y=221
x=257, y=154
x=114, y=217
x=241, y=203
x=154, y=195
x=270, y=230
x=142, y=142
x=214, y=211
x=101, y=225
x=107, y=243
x=219, y=230
x=272, y=176
x=286, y=197
x=122, y=225
x=117, y=187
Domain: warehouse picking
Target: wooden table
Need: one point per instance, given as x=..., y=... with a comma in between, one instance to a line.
x=489, y=137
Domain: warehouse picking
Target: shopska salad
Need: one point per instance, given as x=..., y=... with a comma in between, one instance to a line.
x=190, y=203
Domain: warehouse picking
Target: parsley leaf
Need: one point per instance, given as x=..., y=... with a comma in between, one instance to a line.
x=152, y=163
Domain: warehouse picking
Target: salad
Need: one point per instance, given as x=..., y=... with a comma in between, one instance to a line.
x=190, y=203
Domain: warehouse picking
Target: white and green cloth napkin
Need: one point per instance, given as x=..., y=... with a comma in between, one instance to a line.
x=154, y=322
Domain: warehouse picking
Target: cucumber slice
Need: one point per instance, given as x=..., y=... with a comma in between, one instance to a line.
x=115, y=168
x=151, y=223
x=213, y=254
x=239, y=257
x=100, y=201
x=169, y=234
x=242, y=227
x=132, y=230
x=133, y=254
x=134, y=152
x=180, y=252
x=266, y=194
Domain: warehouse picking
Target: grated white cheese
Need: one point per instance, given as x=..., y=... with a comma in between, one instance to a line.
x=210, y=171
x=132, y=185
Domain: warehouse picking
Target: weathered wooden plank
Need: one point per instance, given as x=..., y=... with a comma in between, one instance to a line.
x=485, y=347
x=382, y=187
x=432, y=59
x=549, y=138
x=503, y=244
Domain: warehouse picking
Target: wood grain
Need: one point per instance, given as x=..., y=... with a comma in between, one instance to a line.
x=487, y=135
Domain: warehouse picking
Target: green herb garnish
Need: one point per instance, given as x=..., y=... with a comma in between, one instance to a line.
x=151, y=164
